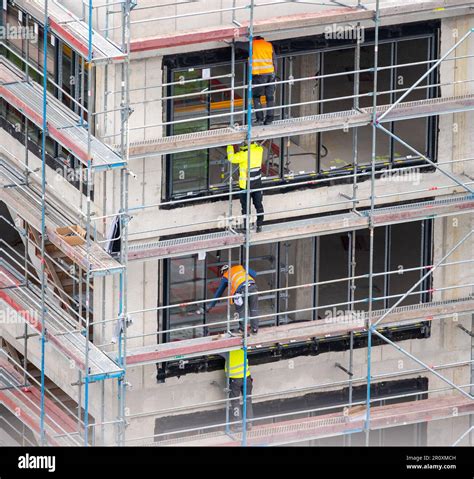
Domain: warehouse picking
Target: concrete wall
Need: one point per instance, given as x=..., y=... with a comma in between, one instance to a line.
x=150, y=19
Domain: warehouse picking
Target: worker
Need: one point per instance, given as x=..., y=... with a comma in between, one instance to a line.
x=256, y=159
x=263, y=73
x=234, y=368
x=239, y=278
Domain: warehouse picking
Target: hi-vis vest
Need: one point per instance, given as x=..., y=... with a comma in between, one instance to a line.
x=238, y=276
x=256, y=158
x=262, y=57
x=234, y=366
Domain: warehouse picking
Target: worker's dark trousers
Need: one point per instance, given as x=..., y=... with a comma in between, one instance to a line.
x=236, y=386
x=259, y=89
x=253, y=307
x=257, y=199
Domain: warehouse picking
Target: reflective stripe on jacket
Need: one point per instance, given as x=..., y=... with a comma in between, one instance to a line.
x=234, y=365
x=238, y=276
x=241, y=157
x=262, y=57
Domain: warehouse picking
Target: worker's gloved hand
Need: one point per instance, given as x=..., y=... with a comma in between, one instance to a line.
x=238, y=299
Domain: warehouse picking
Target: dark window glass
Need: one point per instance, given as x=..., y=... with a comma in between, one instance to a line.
x=303, y=155
x=282, y=266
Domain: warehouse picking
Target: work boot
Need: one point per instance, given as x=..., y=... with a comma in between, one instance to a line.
x=259, y=228
x=259, y=120
x=241, y=329
x=254, y=331
x=268, y=121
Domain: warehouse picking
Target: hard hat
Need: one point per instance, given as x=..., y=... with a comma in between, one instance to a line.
x=223, y=269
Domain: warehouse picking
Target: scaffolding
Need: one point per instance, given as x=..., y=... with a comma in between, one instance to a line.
x=34, y=282
x=61, y=319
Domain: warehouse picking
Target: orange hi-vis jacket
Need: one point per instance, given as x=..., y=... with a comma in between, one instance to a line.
x=238, y=276
x=262, y=57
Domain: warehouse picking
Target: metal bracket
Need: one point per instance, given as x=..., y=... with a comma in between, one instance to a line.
x=350, y=198
x=127, y=113
x=15, y=185
x=462, y=328
x=27, y=336
x=340, y=366
x=126, y=219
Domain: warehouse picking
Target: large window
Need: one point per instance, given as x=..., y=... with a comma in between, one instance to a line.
x=203, y=170
x=65, y=67
x=284, y=266
x=311, y=155
x=58, y=158
x=315, y=403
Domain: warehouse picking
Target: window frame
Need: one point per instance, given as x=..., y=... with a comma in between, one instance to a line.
x=431, y=122
x=423, y=228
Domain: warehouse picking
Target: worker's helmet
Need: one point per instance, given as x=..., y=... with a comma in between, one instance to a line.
x=223, y=269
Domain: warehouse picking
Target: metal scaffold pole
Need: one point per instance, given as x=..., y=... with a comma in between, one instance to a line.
x=124, y=219
x=103, y=281
x=43, y=222
x=247, y=221
x=371, y=223
x=90, y=179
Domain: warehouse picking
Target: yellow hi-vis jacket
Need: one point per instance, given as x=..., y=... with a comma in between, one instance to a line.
x=238, y=276
x=241, y=157
x=262, y=57
x=234, y=365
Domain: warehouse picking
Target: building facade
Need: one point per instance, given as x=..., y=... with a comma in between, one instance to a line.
x=367, y=183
